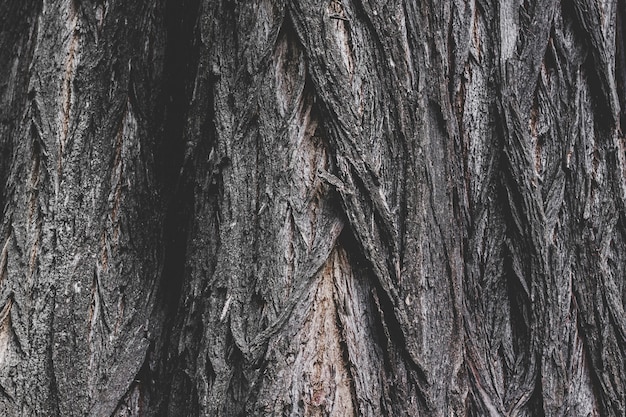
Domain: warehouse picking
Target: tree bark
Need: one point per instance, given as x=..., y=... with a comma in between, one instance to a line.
x=289, y=207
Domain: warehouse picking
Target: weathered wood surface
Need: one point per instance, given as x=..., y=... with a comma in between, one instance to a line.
x=289, y=207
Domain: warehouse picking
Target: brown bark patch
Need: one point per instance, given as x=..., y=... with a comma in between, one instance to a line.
x=328, y=389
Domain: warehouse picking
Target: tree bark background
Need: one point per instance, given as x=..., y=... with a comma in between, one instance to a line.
x=289, y=207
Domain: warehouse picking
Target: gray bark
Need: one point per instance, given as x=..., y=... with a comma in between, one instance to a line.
x=289, y=207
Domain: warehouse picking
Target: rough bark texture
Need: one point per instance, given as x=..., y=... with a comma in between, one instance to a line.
x=290, y=207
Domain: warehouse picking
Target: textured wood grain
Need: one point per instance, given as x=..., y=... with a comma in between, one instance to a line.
x=320, y=207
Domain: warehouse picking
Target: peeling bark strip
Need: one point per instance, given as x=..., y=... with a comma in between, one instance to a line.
x=312, y=207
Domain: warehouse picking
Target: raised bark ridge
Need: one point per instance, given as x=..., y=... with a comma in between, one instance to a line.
x=312, y=208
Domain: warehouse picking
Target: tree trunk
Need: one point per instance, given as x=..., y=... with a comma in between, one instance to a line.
x=289, y=207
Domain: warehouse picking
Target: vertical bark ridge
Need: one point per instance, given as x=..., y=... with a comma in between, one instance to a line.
x=257, y=279
x=80, y=249
x=492, y=331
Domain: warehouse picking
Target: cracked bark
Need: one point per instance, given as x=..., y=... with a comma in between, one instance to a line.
x=289, y=207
